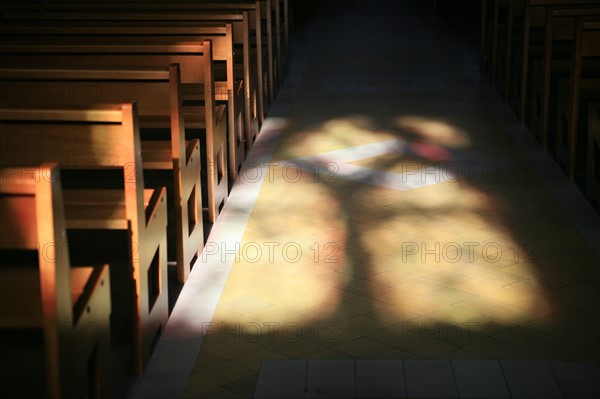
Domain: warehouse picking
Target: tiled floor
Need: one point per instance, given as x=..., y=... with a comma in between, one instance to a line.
x=393, y=209
x=374, y=378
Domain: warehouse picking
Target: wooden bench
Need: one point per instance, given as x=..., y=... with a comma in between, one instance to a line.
x=203, y=119
x=494, y=23
x=267, y=16
x=555, y=62
x=574, y=92
x=534, y=20
x=64, y=310
x=511, y=50
x=282, y=29
x=159, y=103
x=229, y=89
x=505, y=26
x=239, y=65
x=484, y=38
x=278, y=21
x=98, y=151
x=246, y=19
x=499, y=38
x=593, y=156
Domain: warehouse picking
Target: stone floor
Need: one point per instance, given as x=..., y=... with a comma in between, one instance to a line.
x=394, y=219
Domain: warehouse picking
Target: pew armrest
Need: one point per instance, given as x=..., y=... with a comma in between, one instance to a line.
x=192, y=151
x=155, y=201
x=90, y=291
x=220, y=113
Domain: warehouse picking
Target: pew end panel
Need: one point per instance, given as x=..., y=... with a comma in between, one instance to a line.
x=214, y=175
x=41, y=291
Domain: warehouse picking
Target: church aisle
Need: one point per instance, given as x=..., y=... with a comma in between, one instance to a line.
x=389, y=211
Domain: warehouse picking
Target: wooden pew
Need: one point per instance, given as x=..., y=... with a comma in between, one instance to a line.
x=228, y=88
x=493, y=23
x=159, y=102
x=574, y=92
x=499, y=28
x=512, y=50
x=246, y=16
x=282, y=37
x=593, y=156
x=263, y=13
x=204, y=121
x=98, y=151
x=535, y=16
x=559, y=27
x=64, y=309
x=239, y=68
x=504, y=29
x=484, y=44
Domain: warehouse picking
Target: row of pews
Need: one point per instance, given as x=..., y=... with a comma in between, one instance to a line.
x=543, y=56
x=123, y=126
